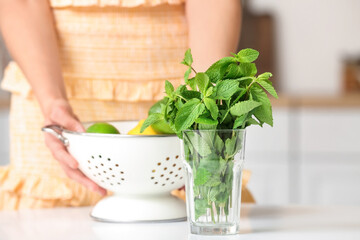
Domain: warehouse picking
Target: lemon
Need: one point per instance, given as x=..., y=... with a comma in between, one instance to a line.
x=147, y=131
x=102, y=127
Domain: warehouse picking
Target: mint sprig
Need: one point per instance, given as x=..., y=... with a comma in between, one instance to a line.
x=228, y=95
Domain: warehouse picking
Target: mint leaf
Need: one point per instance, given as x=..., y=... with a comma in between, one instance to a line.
x=188, y=113
x=251, y=121
x=158, y=106
x=265, y=75
x=225, y=89
x=203, y=120
x=188, y=59
x=210, y=163
x=152, y=118
x=201, y=206
x=247, y=69
x=234, y=71
x=169, y=88
x=190, y=94
x=219, y=144
x=197, y=142
x=192, y=83
x=264, y=112
x=218, y=69
x=213, y=182
x=247, y=55
x=266, y=84
x=239, y=121
x=230, y=146
x=202, y=81
x=244, y=107
x=187, y=74
x=213, y=108
x=202, y=176
x=209, y=92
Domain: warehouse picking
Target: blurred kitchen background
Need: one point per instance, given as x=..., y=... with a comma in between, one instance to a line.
x=312, y=155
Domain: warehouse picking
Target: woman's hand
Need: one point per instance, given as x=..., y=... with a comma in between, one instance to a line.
x=60, y=113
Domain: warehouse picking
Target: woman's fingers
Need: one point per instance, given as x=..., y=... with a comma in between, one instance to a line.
x=59, y=152
x=66, y=119
x=79, y=177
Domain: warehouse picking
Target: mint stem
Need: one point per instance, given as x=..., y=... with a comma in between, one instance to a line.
x=193, y=70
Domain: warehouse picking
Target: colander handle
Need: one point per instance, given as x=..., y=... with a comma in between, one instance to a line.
x=56, y=130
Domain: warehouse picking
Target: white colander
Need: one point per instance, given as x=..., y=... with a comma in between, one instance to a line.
x=141, y=171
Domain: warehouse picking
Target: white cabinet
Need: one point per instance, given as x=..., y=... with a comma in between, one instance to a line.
x=311, y=156
x=329, y=156
x=266, y=156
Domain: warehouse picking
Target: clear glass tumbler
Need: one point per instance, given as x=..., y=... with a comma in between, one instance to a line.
x=213, y=163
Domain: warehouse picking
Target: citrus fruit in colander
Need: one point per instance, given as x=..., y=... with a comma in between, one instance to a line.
x=147, y=131
x=102, y=127
x=162, y=127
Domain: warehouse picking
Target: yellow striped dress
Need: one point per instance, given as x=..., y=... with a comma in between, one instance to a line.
x=115, y=55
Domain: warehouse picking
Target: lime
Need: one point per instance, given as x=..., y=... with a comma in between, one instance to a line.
x=162, y=127
x=102, y=127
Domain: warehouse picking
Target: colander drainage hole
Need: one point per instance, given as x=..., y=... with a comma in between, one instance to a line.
x=118, y=183
x=167, y=159
x=176, y=175
x=174, y=165
x=109, y=159
x=171, y=172
x=123, y=179
x=92, y=157
x=152, y=177
x=116, y=165
x=156, y=182
x=121, y=172
x=165, y=169
x=172, y=182
x=179, y=168
x=153, y=170
x=113, y=175
x=159, y=164
x=102, y=164
x=181, y=177
x=177, y=156
x=161, y=175
x=110, y=169
x=99, y=156
x=96, y=166
x=163, y=184
x=167, y=179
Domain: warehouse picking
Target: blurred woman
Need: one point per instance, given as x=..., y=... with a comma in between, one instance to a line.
x=93, y=60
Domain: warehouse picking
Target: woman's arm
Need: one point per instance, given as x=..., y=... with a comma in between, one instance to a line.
x=214, y=29
x=29, y=33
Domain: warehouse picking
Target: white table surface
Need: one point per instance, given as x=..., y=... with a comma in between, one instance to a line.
x=258, y=222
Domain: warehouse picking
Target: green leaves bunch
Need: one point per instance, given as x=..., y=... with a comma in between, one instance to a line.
x=227, y=96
